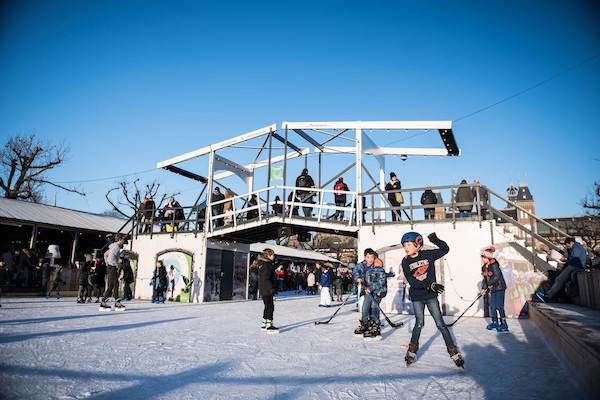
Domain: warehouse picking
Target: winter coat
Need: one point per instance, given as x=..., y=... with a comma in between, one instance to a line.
x=419, y=271
x=428, y=197
x=493, y=278
x=84, y=272
x=393, y=186
x=326, y=279
x=214, y=197
x=266, y=277
x=160, y=279
x=577, y=256
x=306, y=181
x=374, y=277
x=127, y=273
x=464, y=195
x=483, y=196
x=251, y=214
x=311, y=280
x=339, y=196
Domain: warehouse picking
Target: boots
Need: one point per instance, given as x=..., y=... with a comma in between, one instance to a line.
x=271, y=328
x=411, y=353
x=456, y=357
x=362, y=328
x=502, y=327
x=374, y=329
x=493, y=325
x=263, y=324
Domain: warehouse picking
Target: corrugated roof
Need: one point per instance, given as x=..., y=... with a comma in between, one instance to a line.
x=292, y=252
x=45, y=214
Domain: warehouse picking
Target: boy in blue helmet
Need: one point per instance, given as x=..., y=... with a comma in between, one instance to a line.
x=419, y=269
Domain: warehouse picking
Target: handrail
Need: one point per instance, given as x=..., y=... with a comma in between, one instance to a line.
x=527, y=212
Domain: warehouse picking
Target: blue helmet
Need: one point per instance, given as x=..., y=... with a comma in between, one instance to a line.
x=414, y=237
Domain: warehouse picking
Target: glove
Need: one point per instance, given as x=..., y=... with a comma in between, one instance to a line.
x=437, y=288
x=432, y=237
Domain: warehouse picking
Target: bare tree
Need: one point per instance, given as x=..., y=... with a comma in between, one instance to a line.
x=591, y=203
x=24, y=162
x=126, y=197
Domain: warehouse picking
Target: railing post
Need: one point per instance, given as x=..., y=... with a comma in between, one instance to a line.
x=410, y=196
x=233, y=209
x=453, y=203
x=478, y=199
x=258, y=205
x=152, y=222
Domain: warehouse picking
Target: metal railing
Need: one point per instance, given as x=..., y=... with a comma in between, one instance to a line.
x=377, y=209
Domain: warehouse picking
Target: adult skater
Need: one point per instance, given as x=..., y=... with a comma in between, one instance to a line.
x=111, y=258
x=419, y=269
x=371, y=275
x=160, y=283
x=493, y=282
x=326, y=281
x=266, y=288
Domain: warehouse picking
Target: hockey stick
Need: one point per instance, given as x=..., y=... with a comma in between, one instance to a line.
x=389, y=321
x=336, y=311
x=463, y=313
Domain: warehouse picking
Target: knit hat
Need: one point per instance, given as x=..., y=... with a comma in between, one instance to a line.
x=488, y=252
x=392, y=174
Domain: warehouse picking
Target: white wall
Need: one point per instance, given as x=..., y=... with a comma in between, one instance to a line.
x=147, y=248
x=462, y=265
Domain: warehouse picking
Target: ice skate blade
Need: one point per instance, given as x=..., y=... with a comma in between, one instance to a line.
x=372, y=339
x=272, y=332
x=104, y=309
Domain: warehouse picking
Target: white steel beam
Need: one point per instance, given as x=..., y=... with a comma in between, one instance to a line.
x=214, y=147
x=264, y=163
x=434, y=125
x=409, y=151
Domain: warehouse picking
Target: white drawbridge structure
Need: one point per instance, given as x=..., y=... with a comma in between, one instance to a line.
x=247, y=193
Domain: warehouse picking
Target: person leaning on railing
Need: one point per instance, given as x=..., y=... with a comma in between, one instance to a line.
x=428, y=200
x=396, y=199
x=464, y=195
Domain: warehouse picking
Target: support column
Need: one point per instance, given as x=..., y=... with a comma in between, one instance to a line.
x=382, y=203
x=75, y=245
x=358, y=151
x=33, y=240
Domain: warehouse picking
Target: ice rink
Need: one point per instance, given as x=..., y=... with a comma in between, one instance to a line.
x=56, y=349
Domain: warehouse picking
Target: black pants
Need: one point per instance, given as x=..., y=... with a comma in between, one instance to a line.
x=269, y=307
x=112, y=283
x=429, y=213
x=396, y=214
x=83, y=292
x=127, y=289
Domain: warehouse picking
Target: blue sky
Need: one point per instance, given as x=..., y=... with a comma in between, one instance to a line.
x=127, y=84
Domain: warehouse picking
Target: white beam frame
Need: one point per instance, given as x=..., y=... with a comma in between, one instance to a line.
x=409, y=151
x=217, y=146
x=434, y=125
x=264, y=163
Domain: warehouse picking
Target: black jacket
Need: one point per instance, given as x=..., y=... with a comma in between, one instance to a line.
x=428, y=197
x=493, y=278
x=266, y=277
x=393, y=186
x=420, y=270
x=127, y=273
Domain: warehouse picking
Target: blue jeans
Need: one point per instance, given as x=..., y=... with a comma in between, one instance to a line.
x=434, y=309
x=497, y=305
x=370, y=308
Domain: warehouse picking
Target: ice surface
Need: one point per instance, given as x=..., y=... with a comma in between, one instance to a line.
x=56, y=349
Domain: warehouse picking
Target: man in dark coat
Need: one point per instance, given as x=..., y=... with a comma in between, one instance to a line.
x=304, y=180
x=428, y=198
x=217, y=209
x=464, y=195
